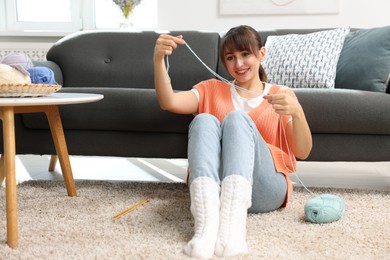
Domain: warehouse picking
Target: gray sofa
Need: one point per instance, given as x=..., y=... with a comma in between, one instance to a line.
x=347, y=124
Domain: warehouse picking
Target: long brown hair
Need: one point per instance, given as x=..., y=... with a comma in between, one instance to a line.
x=242, y=38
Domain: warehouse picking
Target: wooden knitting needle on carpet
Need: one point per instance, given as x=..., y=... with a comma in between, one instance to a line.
x=121, y=214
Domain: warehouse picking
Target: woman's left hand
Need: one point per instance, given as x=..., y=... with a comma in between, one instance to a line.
x=298, y=131
x=284, y=104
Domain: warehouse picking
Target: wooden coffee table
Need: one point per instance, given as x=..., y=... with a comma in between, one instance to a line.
x=49, y=105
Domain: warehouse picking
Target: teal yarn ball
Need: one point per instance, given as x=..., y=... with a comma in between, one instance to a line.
x=324, y=208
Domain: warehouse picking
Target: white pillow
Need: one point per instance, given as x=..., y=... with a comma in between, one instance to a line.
x=304, y=60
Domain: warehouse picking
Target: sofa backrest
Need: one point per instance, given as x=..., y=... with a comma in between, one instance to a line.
x=123, y=59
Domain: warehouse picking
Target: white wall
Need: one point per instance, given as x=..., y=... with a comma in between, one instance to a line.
x=204, y=15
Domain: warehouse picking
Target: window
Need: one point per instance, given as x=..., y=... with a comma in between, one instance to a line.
x=52, y=15
x=2, y=14
x=45, y=13
x=72, y=15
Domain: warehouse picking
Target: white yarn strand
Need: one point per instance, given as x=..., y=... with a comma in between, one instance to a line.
x=215, y=74
x=167, y=63
x=219, y=76
x=289, y=155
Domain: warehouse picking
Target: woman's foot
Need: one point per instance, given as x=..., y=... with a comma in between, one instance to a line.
x=236, y=197
x=205, y=206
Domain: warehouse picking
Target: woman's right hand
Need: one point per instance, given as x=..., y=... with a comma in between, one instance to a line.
x=165, y=45
x=180, y=102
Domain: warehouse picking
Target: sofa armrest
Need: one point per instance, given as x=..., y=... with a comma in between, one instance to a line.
x=54, y=67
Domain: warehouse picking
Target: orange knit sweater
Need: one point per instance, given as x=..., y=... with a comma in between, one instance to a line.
x=215, y=98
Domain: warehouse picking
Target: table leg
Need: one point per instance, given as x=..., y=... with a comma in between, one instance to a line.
x=10, y=178
x=2, y=173
x=53, y=116
x=53, y=162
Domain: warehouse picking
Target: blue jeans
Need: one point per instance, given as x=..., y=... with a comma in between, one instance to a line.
x=235, y=147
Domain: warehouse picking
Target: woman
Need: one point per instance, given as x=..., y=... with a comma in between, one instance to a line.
x=242, y=143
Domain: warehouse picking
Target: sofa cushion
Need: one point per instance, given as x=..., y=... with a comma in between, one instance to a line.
x=304, y=60
x=364, y=61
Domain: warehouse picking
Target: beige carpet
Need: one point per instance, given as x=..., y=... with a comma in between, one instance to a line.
x=54, y=226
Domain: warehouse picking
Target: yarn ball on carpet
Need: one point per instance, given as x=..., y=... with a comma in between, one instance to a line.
x=324, y=208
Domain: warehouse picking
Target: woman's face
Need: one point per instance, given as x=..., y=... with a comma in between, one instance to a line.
x=244, y=65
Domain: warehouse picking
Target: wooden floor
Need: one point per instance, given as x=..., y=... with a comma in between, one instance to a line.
x=356, y=175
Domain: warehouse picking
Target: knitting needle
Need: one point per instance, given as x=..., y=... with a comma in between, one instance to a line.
x=124, y=212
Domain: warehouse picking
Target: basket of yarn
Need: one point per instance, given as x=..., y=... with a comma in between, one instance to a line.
x=324, y=208
x=19, y=78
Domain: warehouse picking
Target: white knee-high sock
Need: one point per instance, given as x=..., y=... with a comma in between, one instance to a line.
x=236, y=198
x=205, y=206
